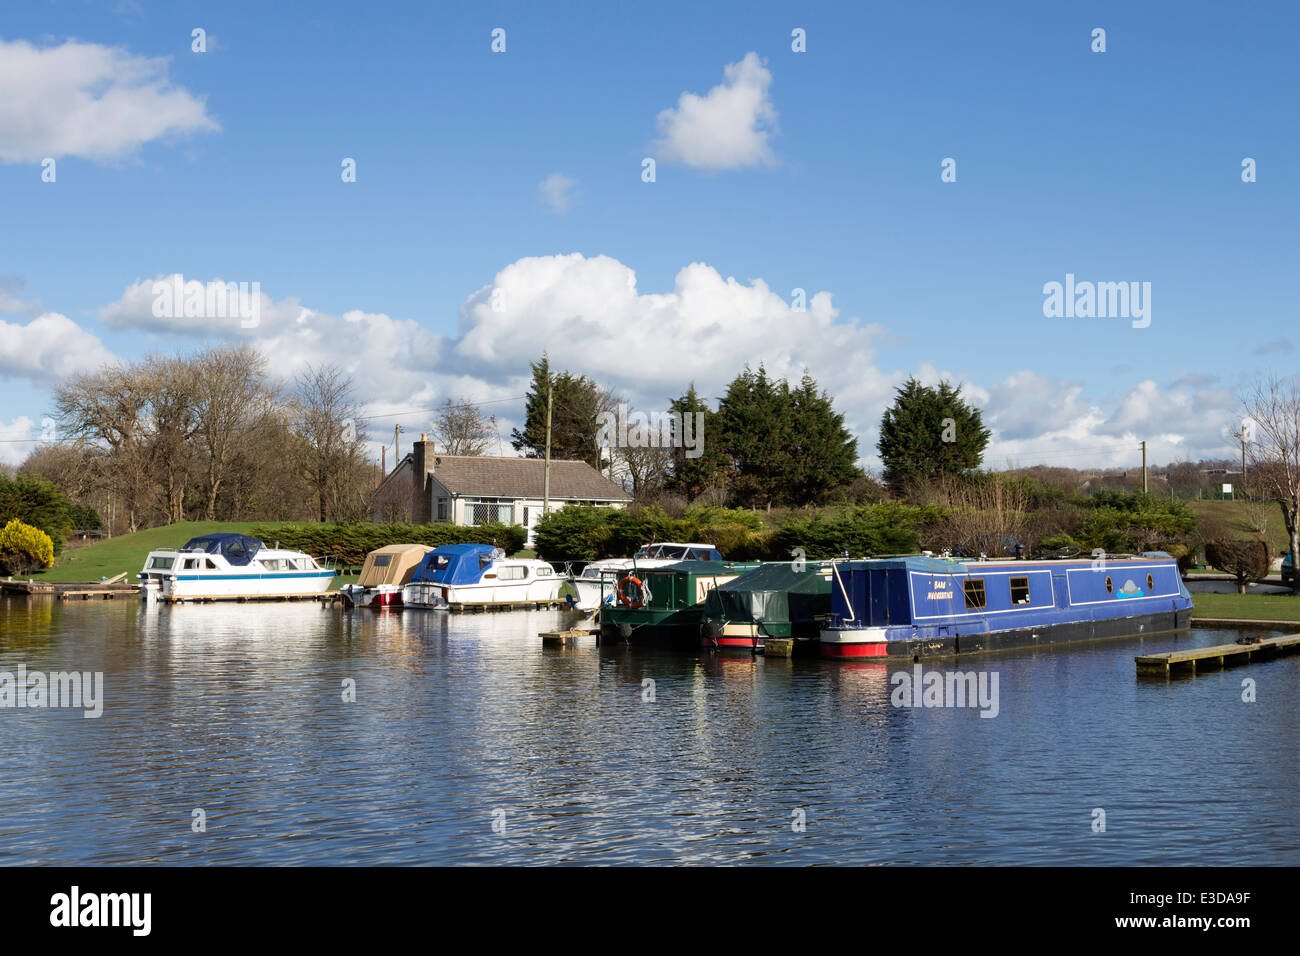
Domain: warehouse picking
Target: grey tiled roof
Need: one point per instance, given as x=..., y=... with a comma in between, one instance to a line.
x=480, y=475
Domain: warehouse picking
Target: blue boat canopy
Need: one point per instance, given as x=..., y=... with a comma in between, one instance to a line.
x=456, y=564
x=237, y=549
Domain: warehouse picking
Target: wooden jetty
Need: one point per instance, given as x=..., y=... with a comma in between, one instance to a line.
x=565, y=638
x=71, y=591
x=462, y=608
x=1221, y=655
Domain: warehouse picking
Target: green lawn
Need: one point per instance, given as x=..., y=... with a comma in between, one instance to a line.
x=1258, y=607
x=127, y=552
x=1232, y=512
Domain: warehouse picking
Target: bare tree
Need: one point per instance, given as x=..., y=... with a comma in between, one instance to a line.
x=107, y=410
x=169, y=424
x=460, y=429
x=1272, y=429
x=333, y=459
x=232, y=396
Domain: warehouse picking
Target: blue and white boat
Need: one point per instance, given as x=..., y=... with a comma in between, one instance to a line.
x=479, y=574
x=231, y=565
x=913, y=607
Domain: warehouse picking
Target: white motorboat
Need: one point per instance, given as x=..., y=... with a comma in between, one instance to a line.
x=386, y=572
x=479, y=574
x=595, y=585
x=231, y=565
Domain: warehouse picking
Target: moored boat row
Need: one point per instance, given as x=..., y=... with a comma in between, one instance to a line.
x=686, y=596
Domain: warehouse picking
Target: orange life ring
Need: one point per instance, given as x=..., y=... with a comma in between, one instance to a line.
x=623, y=595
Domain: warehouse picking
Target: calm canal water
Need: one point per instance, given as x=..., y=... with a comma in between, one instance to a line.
x=463, y=721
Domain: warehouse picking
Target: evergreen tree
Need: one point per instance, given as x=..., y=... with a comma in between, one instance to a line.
x=691, y=477
x=754, y=418
x=823, y=453
x=575, y=416
x=930, y=432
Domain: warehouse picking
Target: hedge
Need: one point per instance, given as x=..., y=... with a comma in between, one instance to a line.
x=584, y=533
x=350, y=542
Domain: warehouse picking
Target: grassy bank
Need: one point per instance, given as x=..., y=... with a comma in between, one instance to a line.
x=1248, y=607
x=127, y=552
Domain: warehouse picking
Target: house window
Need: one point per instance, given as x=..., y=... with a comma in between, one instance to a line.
x=974, y=591
x=442, y=509
x=1020, y=590
x=485, y=510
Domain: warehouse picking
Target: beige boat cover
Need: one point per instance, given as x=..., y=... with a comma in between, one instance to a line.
x=392, y=564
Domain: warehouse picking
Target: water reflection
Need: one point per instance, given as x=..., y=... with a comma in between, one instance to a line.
x=463, y=720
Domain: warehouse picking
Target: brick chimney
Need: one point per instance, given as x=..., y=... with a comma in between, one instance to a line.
x=420, y=510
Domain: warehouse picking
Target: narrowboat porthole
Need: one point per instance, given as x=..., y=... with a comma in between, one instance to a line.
x=1151, y=583
x=1110, y=587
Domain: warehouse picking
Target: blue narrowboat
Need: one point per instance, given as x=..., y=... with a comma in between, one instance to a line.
x=913, y=607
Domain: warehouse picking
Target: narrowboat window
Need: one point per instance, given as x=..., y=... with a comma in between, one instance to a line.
x=1151, y=583
x=1020, y=590
x=1110, y=586
x=974, y=591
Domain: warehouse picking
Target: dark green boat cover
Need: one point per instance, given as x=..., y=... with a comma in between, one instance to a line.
x=772, y=592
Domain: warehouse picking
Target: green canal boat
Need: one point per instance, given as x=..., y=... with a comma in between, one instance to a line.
x=664, y=606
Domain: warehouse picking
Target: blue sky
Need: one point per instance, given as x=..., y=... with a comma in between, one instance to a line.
x=1115, y=166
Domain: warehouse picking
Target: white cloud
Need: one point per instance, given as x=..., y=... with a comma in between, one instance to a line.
x=88, y=100
x=555, y=191
x=17, y=440
x=49, y=347
x=729, y=127
x=591, y=318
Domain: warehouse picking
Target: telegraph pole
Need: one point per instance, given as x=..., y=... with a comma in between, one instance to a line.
x=397, y=455
x=1144, y=468
x=546, y=478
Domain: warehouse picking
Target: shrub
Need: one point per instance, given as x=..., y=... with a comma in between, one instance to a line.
x=351, y=541
x=584, y=533
x=37, y=503
x=1246, y=560
x=861, y=531
x=24, y=549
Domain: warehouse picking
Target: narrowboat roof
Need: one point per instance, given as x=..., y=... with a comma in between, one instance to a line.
x=699, y=567
x=920, y=562
x=782, y=576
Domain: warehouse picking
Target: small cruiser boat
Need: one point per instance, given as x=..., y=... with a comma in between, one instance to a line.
x=479, y=574
x=231, y=565
x=595, y=585
x=386, y=572
x=913, y=607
